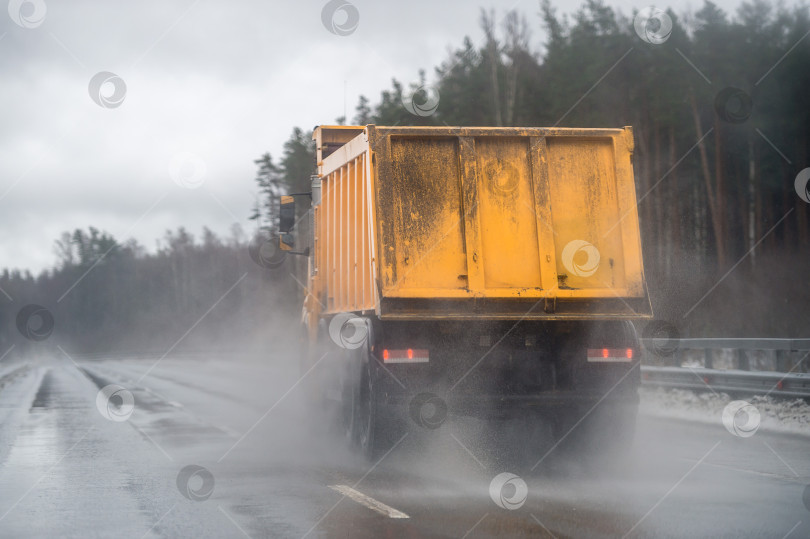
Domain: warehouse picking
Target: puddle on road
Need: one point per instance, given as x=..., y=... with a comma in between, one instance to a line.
x=65, y=473
x=163, y=424
x=44, y=397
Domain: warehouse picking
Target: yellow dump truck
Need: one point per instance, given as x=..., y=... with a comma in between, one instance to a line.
x=497, y=270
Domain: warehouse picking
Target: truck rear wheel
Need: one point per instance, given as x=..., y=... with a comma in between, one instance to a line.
x=597, y=441
x=614, y=430
x=370, y=424
x=365, y=427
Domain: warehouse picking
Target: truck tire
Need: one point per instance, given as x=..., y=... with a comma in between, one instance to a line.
x=372, y=424
x=605, y=432
x=352, y=415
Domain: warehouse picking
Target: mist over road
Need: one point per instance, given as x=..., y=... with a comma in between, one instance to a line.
x=222, y=447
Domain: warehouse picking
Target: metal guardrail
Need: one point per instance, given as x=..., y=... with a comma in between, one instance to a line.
x=670, y=351
x=785, y=381
x=739, y=344
x=733, y=382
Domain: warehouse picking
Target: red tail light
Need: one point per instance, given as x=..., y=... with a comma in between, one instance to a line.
x=610, y=355
x=406, y=355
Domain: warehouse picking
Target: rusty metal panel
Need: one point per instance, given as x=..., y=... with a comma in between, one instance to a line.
x=419, y=216
x=584, y=191
x=508, y=220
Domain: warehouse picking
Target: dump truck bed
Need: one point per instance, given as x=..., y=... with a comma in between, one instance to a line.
x=502, y=223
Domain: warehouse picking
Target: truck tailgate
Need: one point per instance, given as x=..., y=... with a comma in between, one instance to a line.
x=510, y=217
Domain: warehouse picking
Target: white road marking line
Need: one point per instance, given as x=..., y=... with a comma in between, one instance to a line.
x=368, y=501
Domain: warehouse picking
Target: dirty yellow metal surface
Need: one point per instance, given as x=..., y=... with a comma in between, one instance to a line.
x=413, y=218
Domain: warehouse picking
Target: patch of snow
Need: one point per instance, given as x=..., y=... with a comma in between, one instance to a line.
x=791, y=416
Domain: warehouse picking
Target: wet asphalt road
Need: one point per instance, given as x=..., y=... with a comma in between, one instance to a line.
x=268, y=470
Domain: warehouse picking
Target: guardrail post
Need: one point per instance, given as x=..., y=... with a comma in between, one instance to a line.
x=742, y=360
x=674, y=360
x=782, y=361
x=707, y=358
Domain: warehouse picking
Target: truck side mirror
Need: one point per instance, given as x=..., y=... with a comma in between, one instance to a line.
x=286, y=215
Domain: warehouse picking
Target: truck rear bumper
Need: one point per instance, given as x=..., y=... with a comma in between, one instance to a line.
x=511, y=405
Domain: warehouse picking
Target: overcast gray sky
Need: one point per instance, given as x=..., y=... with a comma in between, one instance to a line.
x=210, y=86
